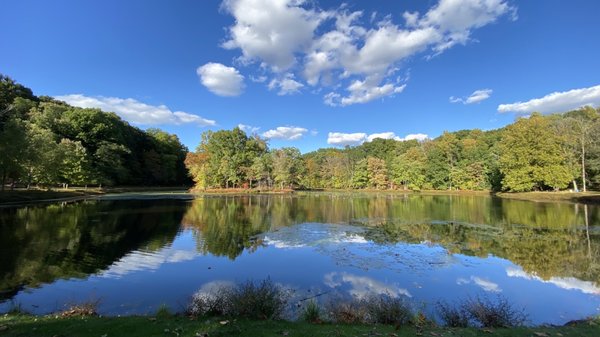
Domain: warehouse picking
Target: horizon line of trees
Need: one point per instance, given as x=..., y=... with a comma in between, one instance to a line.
x=48, y=142
x=535, y=153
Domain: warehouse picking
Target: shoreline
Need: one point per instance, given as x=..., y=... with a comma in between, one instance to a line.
x=26, y=197
x=33, y=196
x=162, y=325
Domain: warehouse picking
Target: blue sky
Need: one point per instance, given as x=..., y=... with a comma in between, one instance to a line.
x=308, y=74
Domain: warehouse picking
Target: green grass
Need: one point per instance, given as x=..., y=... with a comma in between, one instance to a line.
x=587, y=197
x=21, y=195
x=132, y=326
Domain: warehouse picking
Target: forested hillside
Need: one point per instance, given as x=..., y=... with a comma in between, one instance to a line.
x=538, y=152
x=47, y=142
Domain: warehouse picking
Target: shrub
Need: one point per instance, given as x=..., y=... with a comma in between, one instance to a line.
x=346, y=312
x=311, y=312
x=209, y=304
x=386, y=309
x=452, y=316
x=498, y=314
x=163, y=311
x=263, y=300
x=376, y=309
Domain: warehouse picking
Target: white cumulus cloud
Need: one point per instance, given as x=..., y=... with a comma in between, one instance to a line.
x=476, y=97
x=363, y=92
x=383, y=135
x=556, y=101
x=135, y=111
x=337, y=49
x=416, y=136
x=285, y=132
x=271, y=31
x=343, y=139
x=287, y=85
x=221, y=80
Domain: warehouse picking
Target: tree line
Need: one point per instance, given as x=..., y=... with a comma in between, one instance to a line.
x=535, y=153
x=48, y=142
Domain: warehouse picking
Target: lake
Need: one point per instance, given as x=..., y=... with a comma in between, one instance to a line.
x=134, y=253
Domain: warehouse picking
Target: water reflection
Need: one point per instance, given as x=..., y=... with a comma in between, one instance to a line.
x=426, y=246
x=363, y=286
x=41, y=244
x=546, y=239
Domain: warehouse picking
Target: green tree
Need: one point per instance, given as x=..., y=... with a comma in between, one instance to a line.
x=13, y=141
x=360, y=177
x=583, y=128
x=75, y=166
x=531, y=157
x=377, y=173
x=408, y=169
x=260, y=171
x=287, y=166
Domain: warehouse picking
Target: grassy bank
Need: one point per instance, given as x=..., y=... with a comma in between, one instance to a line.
x=25, y=325
x=25, y=196
x=581, y=197
x=19, y=196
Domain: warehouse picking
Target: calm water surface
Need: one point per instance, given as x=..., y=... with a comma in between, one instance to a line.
x=138, y=252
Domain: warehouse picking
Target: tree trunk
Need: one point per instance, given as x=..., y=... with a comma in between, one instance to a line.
x=583, y=167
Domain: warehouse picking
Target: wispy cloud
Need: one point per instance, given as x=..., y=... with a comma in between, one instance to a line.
x=556, y=101
x=248, y=128
x=483, y=283
x=476, y=97
x=135, y=111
